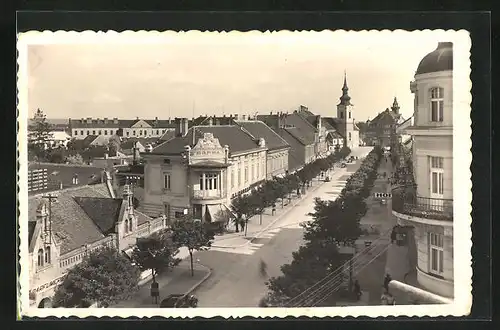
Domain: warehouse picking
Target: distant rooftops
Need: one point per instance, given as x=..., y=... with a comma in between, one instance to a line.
x=120, y=123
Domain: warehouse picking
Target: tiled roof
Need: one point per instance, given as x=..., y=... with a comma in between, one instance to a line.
x=169, y=134
x=71, y=225
x=258, y=130
x=336, y=124
x=31, y=229
x=104, y=212
x=231, y=135
x=61, y=173
x=303, y=131
x=216, y=120
x=296, y=149
x=160, y=123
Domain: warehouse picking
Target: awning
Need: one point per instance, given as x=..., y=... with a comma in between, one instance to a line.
x=220, y=213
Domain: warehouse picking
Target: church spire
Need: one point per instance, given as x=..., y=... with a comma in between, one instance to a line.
x=345, y=99
x=395, y=106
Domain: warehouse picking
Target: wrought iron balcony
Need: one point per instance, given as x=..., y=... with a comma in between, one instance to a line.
x=207, y=194
x=406, y=201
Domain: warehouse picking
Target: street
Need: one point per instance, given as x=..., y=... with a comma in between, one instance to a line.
x=236, y=280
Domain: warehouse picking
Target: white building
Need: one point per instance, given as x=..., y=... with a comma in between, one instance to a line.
x=201, y=169
x=428, y=208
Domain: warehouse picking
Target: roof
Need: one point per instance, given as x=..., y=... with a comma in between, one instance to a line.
x=62, y=173
x=441, y=59
x=31, y=230
x=103, y=211
x=216, y=120
x=294, y=161
x=209, y=163
x=258, y=129
x=336, y=123
x=231, y=135
x=169, y=134
x=71, y=225
x=89, y=139
x=119, y=123
x=302, y=129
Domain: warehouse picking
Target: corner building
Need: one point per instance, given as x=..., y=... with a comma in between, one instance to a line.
x=428, y=206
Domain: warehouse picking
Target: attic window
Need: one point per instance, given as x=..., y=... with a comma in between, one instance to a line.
x=166, y=161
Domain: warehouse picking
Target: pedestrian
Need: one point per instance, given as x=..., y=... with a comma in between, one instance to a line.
x=263, y=268
x=387, y=280
x=357, y=290
x=393, y=235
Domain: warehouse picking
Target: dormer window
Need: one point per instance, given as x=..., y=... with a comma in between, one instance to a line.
x=437, y=104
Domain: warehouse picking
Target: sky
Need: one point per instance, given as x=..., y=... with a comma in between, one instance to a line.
x=192, y=74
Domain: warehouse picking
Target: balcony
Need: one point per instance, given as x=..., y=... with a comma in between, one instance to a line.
x=406, y=201
x=207, y=194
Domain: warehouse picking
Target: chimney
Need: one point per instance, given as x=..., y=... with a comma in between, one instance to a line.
x=271, y=113
x=318, y=123
x=226, y=153
x=115, y=121
x=210, y=121
x=105, y=120
x=106, y=156
x=217, y=121
x=236, y=117
x=181, y=126
x=89, y=120
x=177, y=126
x=244, y=117
x=82, y=120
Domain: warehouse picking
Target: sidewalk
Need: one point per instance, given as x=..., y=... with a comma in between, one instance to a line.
x=179, y=280
x=255, y=229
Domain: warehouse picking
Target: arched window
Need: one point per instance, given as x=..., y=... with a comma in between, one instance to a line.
x=126, y=226
x=47, y=255
x=40, y=257
x=130, y=225
x=349, y=115
x=341, y=115
x=437, y=104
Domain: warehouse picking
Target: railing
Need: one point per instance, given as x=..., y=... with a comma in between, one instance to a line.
x=207, y=194
x=406, y=201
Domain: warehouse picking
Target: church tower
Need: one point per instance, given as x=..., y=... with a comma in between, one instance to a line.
x=345, y=118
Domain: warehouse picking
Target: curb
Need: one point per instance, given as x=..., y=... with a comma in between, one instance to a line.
x=200, y=282
x=297, y=201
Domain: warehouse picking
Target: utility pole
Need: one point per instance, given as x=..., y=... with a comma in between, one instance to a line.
x=50, y=198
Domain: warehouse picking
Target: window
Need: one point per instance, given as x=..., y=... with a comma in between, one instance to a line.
x=100, y=132
x=162, y=131
x=349, y=136
x=246, y=173
x=76, y=132
x=253, y=172
x=349, y=115
x=126, y=226
x=436, y=254
x=130, y=224
x=166, y=181
x=157, y=132
x=437, y=104
x=128, y=133
x=239, y=177
x=210, y=181
x=437, y=179
x=140, y=132
x=258, y=170
x=133, y=132
x=110, y=132
x=47, y=255
x=341, y=115
x=179, y=215
x=232, y=178
x=93, y=132
x=105, y=132
x=88, y=132
x=40, y=258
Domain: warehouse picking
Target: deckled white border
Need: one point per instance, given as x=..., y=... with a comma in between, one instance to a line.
x=462, y=184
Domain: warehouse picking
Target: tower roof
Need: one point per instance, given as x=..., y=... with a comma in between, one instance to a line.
x=441, y=59
x=345, y=99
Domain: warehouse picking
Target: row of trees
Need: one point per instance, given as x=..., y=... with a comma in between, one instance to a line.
x=335, y=223
x=107, y=275
x=268, y=194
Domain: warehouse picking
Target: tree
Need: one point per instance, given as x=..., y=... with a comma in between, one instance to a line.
x=192, y=234
x=240, y=205
x=156, y=253
x=76, y=159
x=104, y=277
x=39, y=134
x=114, y=145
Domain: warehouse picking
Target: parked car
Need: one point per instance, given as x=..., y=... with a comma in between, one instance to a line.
x=179, y=301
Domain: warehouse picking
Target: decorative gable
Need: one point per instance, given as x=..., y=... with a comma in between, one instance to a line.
x=141, y=124
x=208, y=148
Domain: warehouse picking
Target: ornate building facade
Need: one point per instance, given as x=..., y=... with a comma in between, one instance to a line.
x=428, y=206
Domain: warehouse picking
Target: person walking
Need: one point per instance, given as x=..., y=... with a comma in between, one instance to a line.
x=263, y=268
x=357, y=290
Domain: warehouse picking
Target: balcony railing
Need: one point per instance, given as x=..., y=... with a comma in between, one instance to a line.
x=207, y=194
x=406, y=201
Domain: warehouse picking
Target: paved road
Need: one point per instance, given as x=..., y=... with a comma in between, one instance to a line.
x=235, y=280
